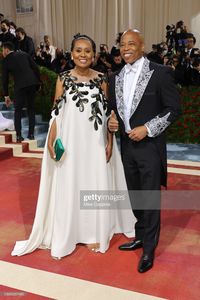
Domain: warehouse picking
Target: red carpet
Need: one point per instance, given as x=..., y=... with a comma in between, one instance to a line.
x=5, y=153
x=176, y=270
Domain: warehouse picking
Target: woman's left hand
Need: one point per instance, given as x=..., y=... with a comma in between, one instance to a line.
x=108, y=152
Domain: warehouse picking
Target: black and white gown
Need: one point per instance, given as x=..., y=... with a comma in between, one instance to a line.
x=60, y=221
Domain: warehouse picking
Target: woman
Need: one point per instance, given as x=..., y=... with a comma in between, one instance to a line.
x=91, y=164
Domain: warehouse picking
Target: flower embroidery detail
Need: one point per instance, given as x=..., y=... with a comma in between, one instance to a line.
x=79, y=95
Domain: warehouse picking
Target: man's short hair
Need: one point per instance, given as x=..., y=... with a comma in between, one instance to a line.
x=21, y=30
x=8, y=45
x=191, y=36
x=5, y=21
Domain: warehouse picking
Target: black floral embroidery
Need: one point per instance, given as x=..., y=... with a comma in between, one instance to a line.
x=58, y=105
x=79, y=96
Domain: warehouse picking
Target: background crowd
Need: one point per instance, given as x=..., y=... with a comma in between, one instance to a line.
x=177, y=51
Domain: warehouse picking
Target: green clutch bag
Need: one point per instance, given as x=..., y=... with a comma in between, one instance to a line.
x=59, y=149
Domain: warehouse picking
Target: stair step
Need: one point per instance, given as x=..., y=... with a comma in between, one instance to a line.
x=5, y=153
x=41, y=127
x=7, y=137
x=28, y=148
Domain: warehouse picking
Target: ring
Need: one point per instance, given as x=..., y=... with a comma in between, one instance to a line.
x=54, y=156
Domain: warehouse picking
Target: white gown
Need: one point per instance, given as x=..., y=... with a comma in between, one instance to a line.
x=59, y=222
x=6, y=123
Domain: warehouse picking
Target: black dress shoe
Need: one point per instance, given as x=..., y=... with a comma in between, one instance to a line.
x=136, y=244
x=19, y=138
x=145, y=263
x=31, y=137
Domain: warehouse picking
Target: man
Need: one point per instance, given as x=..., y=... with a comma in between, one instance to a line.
x=25, y=43
x=190, y=43
x=26, y=78
x=143, y=102
x=6, y=35
x=49, y=48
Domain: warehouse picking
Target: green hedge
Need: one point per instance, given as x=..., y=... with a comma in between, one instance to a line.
x=45, y=97
x=185, y=130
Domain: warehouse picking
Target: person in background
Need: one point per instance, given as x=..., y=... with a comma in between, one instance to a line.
x=6, y=35
x=24, y=42
x=117, y=63
x=13, y=27
x=103, y=60
x=49, y=48
x=26, y=79
x=1, y=17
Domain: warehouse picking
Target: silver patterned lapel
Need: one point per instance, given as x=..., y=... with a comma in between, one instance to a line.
x=141, y=85
x=119, y=83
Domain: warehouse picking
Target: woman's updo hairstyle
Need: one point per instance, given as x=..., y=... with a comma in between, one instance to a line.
x=79, y=36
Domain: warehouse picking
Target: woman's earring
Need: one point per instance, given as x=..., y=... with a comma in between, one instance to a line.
x=72, y=58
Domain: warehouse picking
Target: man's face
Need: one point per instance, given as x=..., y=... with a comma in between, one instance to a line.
x=131, y=46
x=5, y=52
x=47, y=41
x=190, y=43
x=4, y=27
x=117, y=59
x=19, y=36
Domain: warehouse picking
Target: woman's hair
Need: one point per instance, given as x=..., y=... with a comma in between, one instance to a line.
x=79, y=36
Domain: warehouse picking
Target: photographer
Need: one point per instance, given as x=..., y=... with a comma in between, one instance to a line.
x=42, y=57
x=118, y=62
x=180, y=36
x=49, y=48
x=174, y=61
x=193, y=72
x=170, y=34
x=158, y=52
x=62, y=62
x=103, y=60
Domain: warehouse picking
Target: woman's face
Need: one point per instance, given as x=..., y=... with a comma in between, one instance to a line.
x=82, y=53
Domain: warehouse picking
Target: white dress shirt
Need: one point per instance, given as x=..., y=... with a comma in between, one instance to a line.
x=131, y=76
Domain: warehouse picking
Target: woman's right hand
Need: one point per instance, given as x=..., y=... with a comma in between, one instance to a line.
x=52, y=152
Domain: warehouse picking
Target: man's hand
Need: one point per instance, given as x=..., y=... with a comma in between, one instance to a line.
x=8, y=101
x=113, y=124
x=138, y=133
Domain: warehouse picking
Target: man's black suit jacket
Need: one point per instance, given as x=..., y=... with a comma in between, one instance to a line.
x=24, y=70
x=159, y=98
